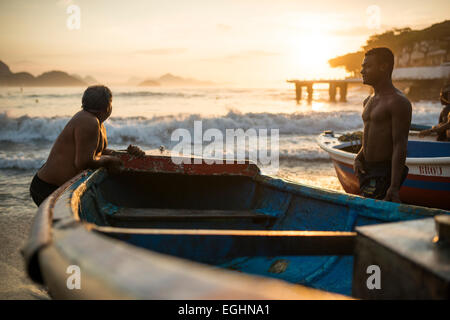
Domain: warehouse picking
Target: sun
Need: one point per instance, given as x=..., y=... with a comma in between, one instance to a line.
x=310, y=53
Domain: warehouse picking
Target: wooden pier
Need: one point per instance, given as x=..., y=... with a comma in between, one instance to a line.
x=333, y=86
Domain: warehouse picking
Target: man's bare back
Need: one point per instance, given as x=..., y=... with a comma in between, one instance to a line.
x=62, y=163
x=81, y=145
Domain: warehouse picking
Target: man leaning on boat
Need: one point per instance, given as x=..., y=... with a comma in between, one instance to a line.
x=442, y=129
x=380, y=164
x=81, y=145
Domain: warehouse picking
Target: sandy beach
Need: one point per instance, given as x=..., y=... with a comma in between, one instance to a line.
x=14, y=230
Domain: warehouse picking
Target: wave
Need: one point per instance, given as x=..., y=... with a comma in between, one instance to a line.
x=157, y=94
x=12, y=160
x=157, y=130
x=20, y=162
x=119, y=94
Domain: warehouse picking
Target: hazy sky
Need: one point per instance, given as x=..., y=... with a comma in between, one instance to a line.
x=247, y=42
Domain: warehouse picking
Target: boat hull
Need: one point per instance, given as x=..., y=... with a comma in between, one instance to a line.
x=427, y=183
x=427, y=191
x=129, y=231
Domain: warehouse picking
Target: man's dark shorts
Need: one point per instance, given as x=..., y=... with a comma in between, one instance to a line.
x=377, y=179
x=40, y=190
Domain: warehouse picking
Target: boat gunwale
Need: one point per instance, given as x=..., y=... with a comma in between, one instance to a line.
x=351, y=156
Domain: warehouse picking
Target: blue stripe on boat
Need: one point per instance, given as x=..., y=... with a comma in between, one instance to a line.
x=428, y=185
x=345, y=168
x=428, y=149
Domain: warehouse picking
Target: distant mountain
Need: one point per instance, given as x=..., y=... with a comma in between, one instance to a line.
x=88, y=79
x=149, y=83
x=169, y=79
x=4, y=69
x=51, y=78
x=57, y=78
x=134, y=81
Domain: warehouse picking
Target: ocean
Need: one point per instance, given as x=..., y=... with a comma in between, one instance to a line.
x=32, y=118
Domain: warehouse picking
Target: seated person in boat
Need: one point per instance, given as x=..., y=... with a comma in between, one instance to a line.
x=81, y=145
x=380, y=164
x=443, y=127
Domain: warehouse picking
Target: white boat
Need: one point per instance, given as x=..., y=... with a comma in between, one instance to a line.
x=428, y=160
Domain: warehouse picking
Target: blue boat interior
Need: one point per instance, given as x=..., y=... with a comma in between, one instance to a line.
x=133, y=206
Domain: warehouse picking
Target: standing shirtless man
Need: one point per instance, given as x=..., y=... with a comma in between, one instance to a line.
x=81, y=145
x=380, y=164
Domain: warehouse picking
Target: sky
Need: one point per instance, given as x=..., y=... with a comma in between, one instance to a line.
x=242, y=42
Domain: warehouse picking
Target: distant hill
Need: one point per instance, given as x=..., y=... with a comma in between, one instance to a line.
x=88, y=79
x=149, y=83
x=134, y=81
x=169, y=79
x=51, y=78
x=411, y=48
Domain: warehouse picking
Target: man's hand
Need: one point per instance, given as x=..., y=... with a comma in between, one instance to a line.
x=135, y=151
x=113, y=164
x=358, y=166
x=424, y=133
x=392, y=195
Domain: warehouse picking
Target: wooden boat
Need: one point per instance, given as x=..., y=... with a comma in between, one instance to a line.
x=164, y=231
x=428, y=160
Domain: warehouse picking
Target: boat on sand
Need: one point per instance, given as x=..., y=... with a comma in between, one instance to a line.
x=161, y=230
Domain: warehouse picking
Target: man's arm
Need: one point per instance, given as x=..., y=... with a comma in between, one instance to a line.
x=358, y=165
x=442, y=127
x=401, y=122
x=86, y=142
x=108, y=152
x=132, y=150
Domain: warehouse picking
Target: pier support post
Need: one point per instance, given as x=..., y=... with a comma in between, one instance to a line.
x=309, y=88
x=343, y=92
x=298, y=92
x=332, y=92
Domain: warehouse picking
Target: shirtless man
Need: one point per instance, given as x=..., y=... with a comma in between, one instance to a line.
x=380, y=164
x=443, y=127
x=81, y=145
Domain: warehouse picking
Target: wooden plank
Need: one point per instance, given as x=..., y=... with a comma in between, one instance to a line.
x=112, y=269
x=237, y=243
x=147, y=214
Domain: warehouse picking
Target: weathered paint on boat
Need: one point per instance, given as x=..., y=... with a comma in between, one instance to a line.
x=238, y=220
x=428, y=180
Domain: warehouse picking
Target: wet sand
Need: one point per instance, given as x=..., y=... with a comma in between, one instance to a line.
x=14, y=282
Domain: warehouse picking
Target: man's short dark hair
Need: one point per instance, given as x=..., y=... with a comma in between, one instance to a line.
x=383, y=55
x=96, y=98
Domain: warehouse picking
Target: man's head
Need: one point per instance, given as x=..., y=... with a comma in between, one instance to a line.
x=377, y=65
x=445, y=94
x=97, y=100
